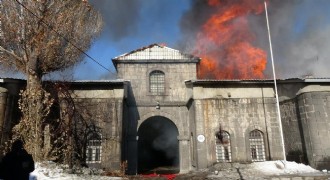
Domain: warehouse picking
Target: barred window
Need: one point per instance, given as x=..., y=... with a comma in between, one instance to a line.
x=94, y=148
x=223, y=151
x=257, y=146
x=157, y=82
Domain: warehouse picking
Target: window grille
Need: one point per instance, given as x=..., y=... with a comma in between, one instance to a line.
x=257, y=146
x=223, y=151
x=157, y=82
x=94, y=148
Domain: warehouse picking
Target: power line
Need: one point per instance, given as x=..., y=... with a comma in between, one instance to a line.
x=66, y=39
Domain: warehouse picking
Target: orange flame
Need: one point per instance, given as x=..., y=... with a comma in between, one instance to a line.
x=225, y=42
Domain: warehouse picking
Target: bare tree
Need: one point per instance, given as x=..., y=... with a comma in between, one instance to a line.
x=38, y=37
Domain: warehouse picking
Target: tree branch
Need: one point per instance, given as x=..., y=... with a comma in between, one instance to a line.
x=10, y=53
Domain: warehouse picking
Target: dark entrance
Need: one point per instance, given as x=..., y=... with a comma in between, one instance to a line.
x=158, y=146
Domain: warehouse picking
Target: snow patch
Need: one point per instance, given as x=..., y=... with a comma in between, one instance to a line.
x=50, y=170
x=283, y=167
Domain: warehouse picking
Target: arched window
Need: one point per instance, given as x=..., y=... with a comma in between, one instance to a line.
x=157, y=82
x=222, y=147
x=257, y=146
x=94, y=148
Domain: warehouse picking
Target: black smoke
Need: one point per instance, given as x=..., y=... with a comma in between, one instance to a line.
x=158, y=146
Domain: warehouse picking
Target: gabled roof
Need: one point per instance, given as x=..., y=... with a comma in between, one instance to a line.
x=155, y=52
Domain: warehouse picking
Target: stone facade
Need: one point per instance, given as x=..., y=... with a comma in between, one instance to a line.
x=143, y=105
x=292, y=129
x=194, y=123
x=314, y=111
x=100, y=105
x=306, y=124
x=238, y=111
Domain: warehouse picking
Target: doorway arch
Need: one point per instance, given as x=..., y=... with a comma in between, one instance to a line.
x=158, y=146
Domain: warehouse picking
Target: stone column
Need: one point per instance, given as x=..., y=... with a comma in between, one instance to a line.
x=201, y=144
x=185, y=154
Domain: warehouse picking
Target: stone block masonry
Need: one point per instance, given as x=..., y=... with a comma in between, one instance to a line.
x=292, y=130
x=240, y=116
x=315, y=120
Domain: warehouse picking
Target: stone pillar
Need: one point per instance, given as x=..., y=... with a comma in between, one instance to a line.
x=3, y=104
x=185, y=154
x=201, y=144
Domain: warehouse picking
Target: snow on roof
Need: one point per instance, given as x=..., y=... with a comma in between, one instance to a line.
x=155, y=51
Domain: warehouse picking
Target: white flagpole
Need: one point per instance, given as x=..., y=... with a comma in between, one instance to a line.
x=276, y=94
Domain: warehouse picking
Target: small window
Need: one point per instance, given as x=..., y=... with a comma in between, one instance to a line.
x=223, y=151
x=257, y=146
x=94, y=148
x=157, y=82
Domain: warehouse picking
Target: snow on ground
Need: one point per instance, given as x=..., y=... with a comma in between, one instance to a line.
x=282, y=167
x=50, y=170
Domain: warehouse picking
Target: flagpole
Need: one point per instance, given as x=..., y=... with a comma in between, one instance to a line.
x=274, y=75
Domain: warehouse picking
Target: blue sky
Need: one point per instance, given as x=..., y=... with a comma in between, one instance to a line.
x=300, y=34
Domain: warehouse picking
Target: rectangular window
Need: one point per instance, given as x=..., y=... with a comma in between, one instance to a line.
x=94, y=149
x=157, y=83
x=257, y=147
x=222, y=147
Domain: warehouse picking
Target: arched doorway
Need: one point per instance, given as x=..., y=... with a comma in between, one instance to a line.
x=158, y=146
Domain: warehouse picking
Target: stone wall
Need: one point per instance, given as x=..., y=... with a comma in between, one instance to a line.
x=239, y=117
x=237, y=109
x=104, y=114
x=292, y=130
x=314, y=112
x=175, y=75
x=141, y=104
x=101, y=106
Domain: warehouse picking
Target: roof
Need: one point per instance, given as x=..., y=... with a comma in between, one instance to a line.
x=11, y=80
x=257, y=81
x=78, y=82
x=115, y=81
x=155, y=52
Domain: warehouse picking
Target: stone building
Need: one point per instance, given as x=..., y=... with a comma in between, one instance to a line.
x=158, y=114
